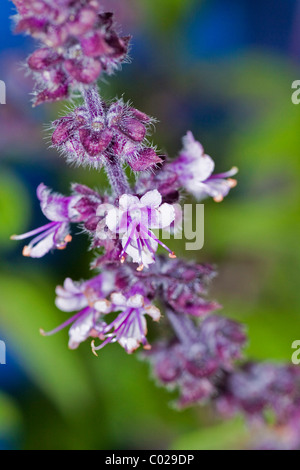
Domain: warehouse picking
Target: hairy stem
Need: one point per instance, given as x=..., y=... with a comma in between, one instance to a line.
x=184, y=327
x=93, y=101
x=113, y=166
x=116, y=175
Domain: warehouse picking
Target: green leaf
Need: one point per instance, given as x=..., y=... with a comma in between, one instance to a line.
x=229, y=435
x=165, y=13
x=10, y=419
x=14, y=207
x=27, y=305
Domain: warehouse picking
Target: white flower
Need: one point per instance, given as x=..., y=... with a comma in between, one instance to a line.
x=195, y=172
x=129, y=329
x=133, y=221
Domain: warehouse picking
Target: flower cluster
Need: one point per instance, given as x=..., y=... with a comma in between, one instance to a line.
x=94, y=300
x=130, y=327
x=56, y=234
x=268, y=395
x=198, y=352
x=182, y=285
x=97, y=132
x=257, y=388
x=134, y=221
x=192, y=171
x=87, y=297
x=194, y=362
x=195, y=172
x=284, y=436
x=80, y=42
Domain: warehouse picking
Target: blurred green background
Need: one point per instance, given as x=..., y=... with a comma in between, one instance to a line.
x=223, y=69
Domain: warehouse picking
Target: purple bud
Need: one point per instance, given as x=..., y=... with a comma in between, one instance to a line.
x=101, y=130
x=83, y=22
x=95, y=45
x=201, y=366
x=194, y=391
x=84, y=190
x=140, y=115
x=84, y=42
x=225, y=338
x=34, y=25
x=56, y=36
x=83, y=71
x=146, y=159
x=54, y=94
x=134, y=129
x=43, y=59
x=95, y=142
x=62, y=131
x=168, y=369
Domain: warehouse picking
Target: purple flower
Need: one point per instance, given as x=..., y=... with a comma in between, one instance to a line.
x=283, y=436
x=224, y=339
x=89, y=298
x=129, y=329
x=87, y=202
x=193, y=362
x=80, y=43
x=186, y=301
x=56, y=234
x=133, y=221
x=257, y=387
x=165, y=181
x=87, y=206
x=194, y=169
x=182, y=285
x=92, y=135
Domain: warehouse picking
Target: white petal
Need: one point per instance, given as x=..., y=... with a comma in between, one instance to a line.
x=146, y=257
x=191, y=144
x=135, y=336
x=72, y=212
x=71, y=304
x=102, y=208
x=203, y=168
x=166, y=215
x=112, y=220
x=199, y=190
x=135, y=301
x=152, y=199
x=233, y=171
x=129, y=344
x=133, y=252
x=71, y=286
x=100, y=230
x=178, y=218
x=192, y=151
x=118, y=299
x=127, y=201
x=42, y=192
x=80, y=330
x=217, y=187
x=43, y=247
x=153, y=311
x=108, y=281
x=102, y=306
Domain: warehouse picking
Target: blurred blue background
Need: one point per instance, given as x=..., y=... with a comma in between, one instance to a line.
x=223, y=69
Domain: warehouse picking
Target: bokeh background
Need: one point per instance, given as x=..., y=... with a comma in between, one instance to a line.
x=223, y=69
